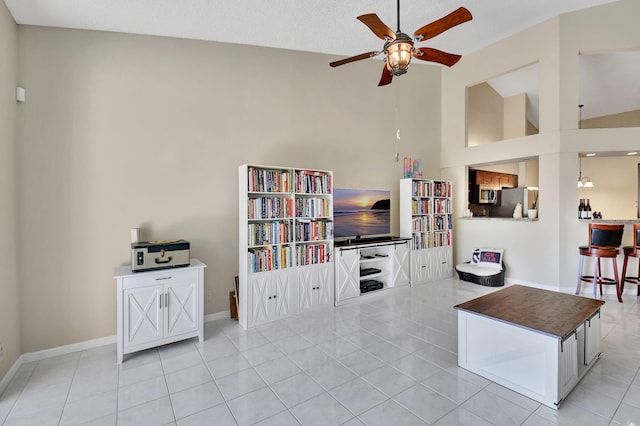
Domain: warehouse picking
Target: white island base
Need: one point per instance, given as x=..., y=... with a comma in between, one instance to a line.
x=532, y=359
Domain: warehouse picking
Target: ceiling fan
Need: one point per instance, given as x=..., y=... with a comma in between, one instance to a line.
x=398, y=47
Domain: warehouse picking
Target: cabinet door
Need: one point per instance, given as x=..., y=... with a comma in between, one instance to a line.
x=485, y=178
x=281, y=297
x=142, y=315
x=314, y=286
x=401, y=271
x=347, y=266
x=443, y=259
x=324, y=280
x=181, y=303
x=592, y=339
x=259, y=285
x=420, y=266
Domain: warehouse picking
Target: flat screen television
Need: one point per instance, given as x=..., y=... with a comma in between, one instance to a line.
x=361, y=213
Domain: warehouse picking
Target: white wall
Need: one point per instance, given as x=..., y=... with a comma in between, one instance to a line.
x=543, y=253
x=121, y=131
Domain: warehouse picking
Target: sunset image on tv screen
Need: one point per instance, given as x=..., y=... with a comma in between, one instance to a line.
x=361, y=212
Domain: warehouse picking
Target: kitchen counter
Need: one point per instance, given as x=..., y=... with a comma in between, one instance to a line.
x=611, y=222
x=510, y=219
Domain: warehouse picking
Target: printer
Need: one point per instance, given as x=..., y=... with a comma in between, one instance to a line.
x=147, y=256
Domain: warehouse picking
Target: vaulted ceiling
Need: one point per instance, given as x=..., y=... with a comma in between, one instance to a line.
x=329, y=26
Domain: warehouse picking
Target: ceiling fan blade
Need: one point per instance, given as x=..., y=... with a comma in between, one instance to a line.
x=386, y=76
x=435, y=55
x=378, y=27
x=354, y=58
x=431, y=30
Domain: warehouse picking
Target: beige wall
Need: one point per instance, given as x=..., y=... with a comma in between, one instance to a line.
x=555, y=46
x=485, y=115
x=9, y=288
x=121, y=131
x=615, y=190
x=624, y=119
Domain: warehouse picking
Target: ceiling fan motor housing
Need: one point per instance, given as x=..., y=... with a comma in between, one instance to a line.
x=399, y=53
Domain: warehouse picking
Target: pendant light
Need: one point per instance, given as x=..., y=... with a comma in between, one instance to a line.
x=582, y=182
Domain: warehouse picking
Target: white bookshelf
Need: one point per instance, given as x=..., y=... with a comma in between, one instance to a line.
x=426, y=218
x=285, y=242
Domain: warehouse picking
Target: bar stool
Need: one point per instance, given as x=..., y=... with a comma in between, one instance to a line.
x=604, y=242
x=633, y=251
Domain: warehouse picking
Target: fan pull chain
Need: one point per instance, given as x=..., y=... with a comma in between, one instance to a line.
x=397, y=156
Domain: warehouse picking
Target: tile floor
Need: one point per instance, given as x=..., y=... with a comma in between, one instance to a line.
x=387, y=360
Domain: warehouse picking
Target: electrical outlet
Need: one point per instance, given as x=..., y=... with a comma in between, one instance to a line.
x=1, y=351
x=208, y=295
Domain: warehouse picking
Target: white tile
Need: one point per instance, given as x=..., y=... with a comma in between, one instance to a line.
x=255, y=406
x=252, y=339
x=331, y=374
x=140, y=373
x=156, y=412
x=284, y=418
x=424, y=403
x=496, y=409
x=227, y=365
x=216, y=348
x=308, y=358
x=337, y=348
x=361, y=362
x=358, y=396
x=461, y=417
x=363, y=338
x=195, y=399
x=182, y=361
x=187, y=378
x=321, y=410
x=390, y=413
x=34, y=417
x=626, y=415
x=633, y=396
x=453, y=387
x=141, y=392
x=276, y=370
x=90, y=408
x=416, y=367
x=296, y=389
x=240, y=383
x=292, y=344
x=386, y=351
x=220, y=413
x=593, y=401
x=262, y=354
x=389, y=380
x=87, y=386
x=567, y=414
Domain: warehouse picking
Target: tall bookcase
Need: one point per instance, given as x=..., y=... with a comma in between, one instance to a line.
x=285, y=242
x=425, y=217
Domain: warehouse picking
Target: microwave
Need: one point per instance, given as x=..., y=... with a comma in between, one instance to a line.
x=487, y=195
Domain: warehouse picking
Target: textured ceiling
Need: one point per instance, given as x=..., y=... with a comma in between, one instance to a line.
x=324, y=26
x=329, y=26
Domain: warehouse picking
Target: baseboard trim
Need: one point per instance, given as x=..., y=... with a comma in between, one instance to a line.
x=75, y=347
x=4, y=383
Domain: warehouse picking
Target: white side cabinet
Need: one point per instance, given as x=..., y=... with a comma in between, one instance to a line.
x=159, y=307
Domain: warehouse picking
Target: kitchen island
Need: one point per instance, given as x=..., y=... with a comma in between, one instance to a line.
x=539, y=343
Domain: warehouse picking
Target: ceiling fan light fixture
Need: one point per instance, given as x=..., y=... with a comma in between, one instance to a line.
x=399, y=53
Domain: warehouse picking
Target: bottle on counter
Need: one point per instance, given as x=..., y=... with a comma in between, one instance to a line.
x=588, y=210
x=581, y=209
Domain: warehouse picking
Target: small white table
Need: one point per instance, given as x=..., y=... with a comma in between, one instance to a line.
x=536, y=342
x=159, y=307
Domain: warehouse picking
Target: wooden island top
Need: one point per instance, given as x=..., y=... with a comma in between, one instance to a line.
x=549, y=312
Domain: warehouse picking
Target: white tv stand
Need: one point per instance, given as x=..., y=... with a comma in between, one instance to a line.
x=361, y=261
